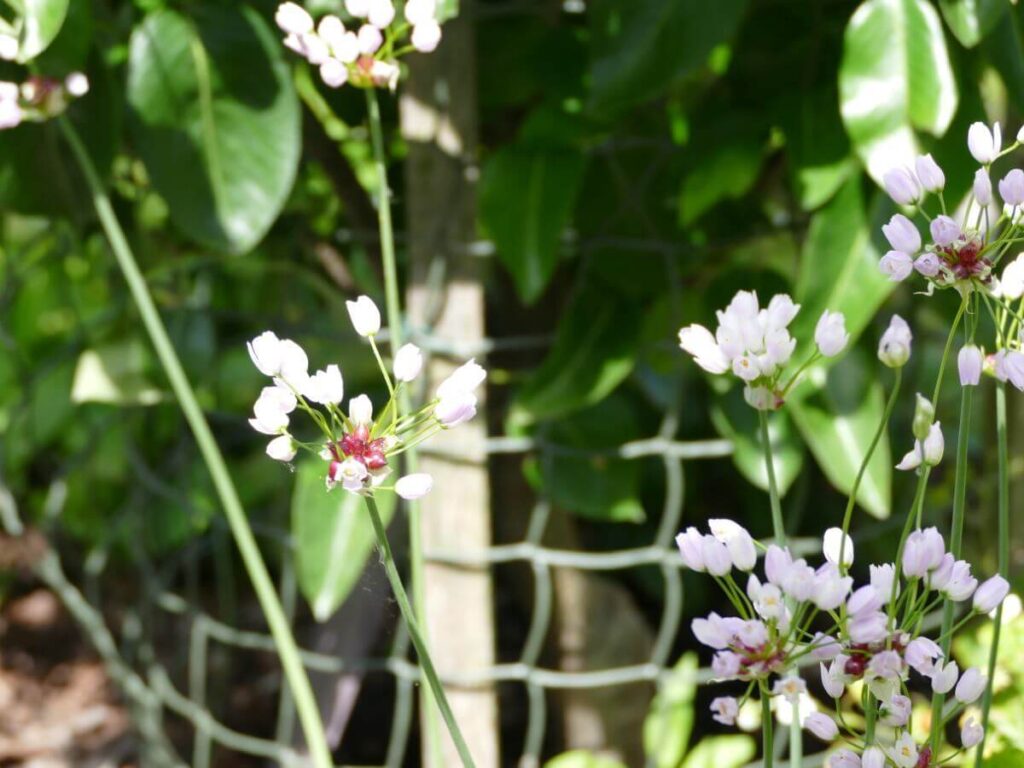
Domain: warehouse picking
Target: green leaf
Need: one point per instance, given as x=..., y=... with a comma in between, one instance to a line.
x=527, y=195
x=216, y=121
x=668, y=725
x=738, y=422
x=1005, y=49
x=447, y=9
x=721, y=752
x=838, y=423
x=642, y=47
x=821, y=160
x=114, y=374
x=839, y=269
x=333, y=538
x=595, y=487
x=972, y=20
x=580, y=758
x=593, y=352
x=41, y=21
x=728, y=172
x=895, y=78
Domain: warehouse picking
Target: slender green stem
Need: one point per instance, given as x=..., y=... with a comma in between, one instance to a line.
x=778, y=527
x=393, y=309
x=287, y=650
x=767, y=728
x=417, y=639
x=852, y=502
x=1004, y=557
x=956, y=527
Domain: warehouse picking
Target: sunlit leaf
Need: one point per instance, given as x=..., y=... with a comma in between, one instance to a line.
x=721, y=752
x=895, y=79
x=216, y=121
x=41, y=22
x=669, y=723
x=114, y=374
x=972, y=20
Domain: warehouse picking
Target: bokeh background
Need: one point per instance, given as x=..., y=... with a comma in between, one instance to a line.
x=573, y=182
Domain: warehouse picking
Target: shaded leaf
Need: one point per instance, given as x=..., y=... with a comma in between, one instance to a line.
x=216, y=121
x=895, y=78
x=838, y=423
x=972, y=20
x=333, y=538
x=641, y=47
x=527, y=194
x=669, y=723
x=728, y=172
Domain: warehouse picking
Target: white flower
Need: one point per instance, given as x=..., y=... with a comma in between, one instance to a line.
x=990, y=594
x=370, y=39
x=1009, y=366
x=271, y=410
x=896, y=711
x=8, y=47
x=717, y=559
x=293, y=19
x=834, y=678
x=921, y=653
x=832, y=542
x=882, y=577
x=464, y=379
x=344, y=45
x=365, y=316
x=691, y=549
x=759, y=398
x=984, y=144
x=426, y=36
x=737, y=540
x=282, y=448
x=1011, y=284
x=886, y=665
x=959, y=583
x=873, y=757
x=982, y=187
x=325, y=387
x=902, y=186
x=864, y=599
x=310, y=46
x=381, y=13
x=933, y=445
x=455, y=409
x=414, y=486
x=830, y=589
x=790, y=687
x=822, y=726
x=929, y=174
x=830, y=334
x=11, y=113
x=894, y=346
x=971, y=734
x=972, y=684
x=281, y=358
x=350, y=473
x=333, y=73
x=896, y=265
x=408, y=363
x=868, y=627
x=725, y=709
x=419, y=11
x=360, y=410
x=969, y=363
x=945, y=231
x=944, y=677
x=358, y=8
x=904, y=752
x=700, y=343
x=844, y=758
x=265, y=352
x=902, y=234
x=76, y=84
x=922, y=552
x=1011, y=187
x=715, y=631
x=928, y=264
x=384, y=73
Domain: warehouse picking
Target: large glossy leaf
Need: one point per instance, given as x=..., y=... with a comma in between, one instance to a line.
x=527, y=195
x=41, y=21
x=738, y=422
x=216, y=121
x=1004, y=47
x=333, y=538
x=727, y=172
x=669, y=723
x=641, y=47
x=594, y=351
x=895, y=78
x=838, y=423
x=839, y=269
x=971, y=20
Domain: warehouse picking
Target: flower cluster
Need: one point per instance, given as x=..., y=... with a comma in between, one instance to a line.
x=871, y=635
x=366, y=53
x=755, y=344
x=38, y=98
x=358, y=448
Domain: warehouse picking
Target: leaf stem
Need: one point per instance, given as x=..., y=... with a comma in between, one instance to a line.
x=414, y=633
x=767, y=728
x=280, y=630
x=778, y=528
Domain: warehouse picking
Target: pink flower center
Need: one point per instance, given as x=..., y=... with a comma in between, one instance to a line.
x=358, y=445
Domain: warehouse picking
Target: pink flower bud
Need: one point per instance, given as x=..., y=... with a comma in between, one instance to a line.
x=969, y=362
x=990, y=594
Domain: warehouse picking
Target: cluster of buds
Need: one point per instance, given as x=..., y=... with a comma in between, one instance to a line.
x=872, y=635
x=755, y=345
x=961, y=254
x=38, y=98
x=358, y=448
x=929, y=443
x=366, y=52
